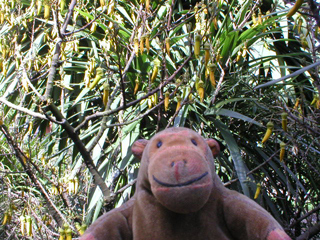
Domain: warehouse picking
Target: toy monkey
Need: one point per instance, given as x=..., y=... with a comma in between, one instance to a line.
x=180, y=197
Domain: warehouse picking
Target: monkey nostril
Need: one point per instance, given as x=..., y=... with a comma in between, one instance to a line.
x=185, y=161
x=172, y=164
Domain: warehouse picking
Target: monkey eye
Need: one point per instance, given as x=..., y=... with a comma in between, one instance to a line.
x=194, y=142
x=159, y=144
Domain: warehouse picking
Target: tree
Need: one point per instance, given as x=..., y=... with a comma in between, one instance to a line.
x=80, y=81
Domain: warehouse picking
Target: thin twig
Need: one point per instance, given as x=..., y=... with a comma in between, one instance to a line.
x=22, y=109
x=255, y=169
x=218, y=85
x=125, y=187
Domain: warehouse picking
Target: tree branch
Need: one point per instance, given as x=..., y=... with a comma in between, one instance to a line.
x=310, y=232
x=304, y=216
x=83, y=151
x=22, y=109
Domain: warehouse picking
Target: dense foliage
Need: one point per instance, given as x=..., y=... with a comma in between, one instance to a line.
x=82, y=80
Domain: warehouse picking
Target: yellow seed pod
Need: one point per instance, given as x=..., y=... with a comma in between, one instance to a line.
x=147, y=42
x=258, y=190
x=68, y=234
x=206, y=73
x=211, y=68
x=39, y=7
x=136, y=86
x=77, y=225
x=190, y=97
x=254, y=20
x=142, y=40
x=218, y=57
x=62, y=234
x=9, y=216
x=83, y=228
x=13, y=207
x=168, y=45
x=296, y=105
x=154, y=99
x=166, y=101
x=295, y=8
x=314, y=100
x=54, y=190
x=5, y=218
x=43, y=160
x=62, y=5
x=106, y=90
x=1, y=17
x=178, y=102
x=206, y=53
x=30, y=128
x=197, y=43
x=239, y=55
x=4, y=69
x=244, y=52
x=150, y=102
x=155, y=70
x=268, y=133
x=197, y=83
x=99, y=75
x=29, y=226
x=282, y=151
x=215, y=23
x=154, y=73
x=201, y=90
x=136, y=45
x=284, y=120
x=46, y=14
x=147, y=5
x=93, y=27
x=300, y=21
x=102, y=3
x=23, y=225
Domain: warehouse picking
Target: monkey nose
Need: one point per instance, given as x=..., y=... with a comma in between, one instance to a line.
x=178, y=163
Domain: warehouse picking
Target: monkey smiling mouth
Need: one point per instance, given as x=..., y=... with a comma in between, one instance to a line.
x=180, y=184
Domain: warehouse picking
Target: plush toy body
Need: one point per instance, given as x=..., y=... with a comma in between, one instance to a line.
x=179, y=196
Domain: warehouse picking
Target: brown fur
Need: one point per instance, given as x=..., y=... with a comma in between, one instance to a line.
x=179, y=196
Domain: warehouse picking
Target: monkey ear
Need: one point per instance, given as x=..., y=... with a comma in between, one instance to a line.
x=138, y=147
x=215, y=146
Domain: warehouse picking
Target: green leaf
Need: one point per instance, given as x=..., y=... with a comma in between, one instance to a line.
x=233, y=114
x=240, y=166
